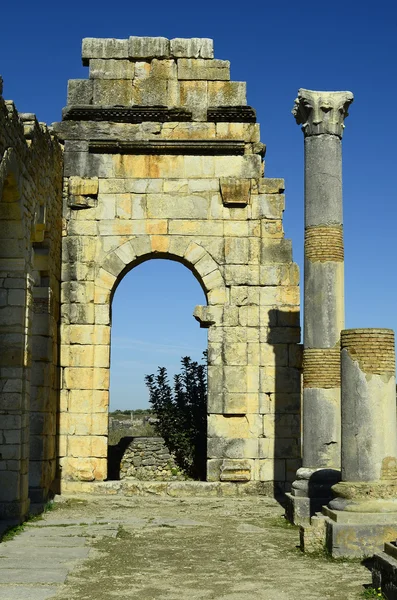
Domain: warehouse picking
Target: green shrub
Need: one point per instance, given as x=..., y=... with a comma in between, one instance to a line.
x=182, y=413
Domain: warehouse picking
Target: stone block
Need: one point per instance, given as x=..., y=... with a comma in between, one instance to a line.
x=111, y=92
x=163, y=69
x=80, y=91
x=271, y=186
x=88, y=165
x=235, y=403
x=234, y=191
x=236, y=470
x=279, y=448
x=237, y=448
x=249, y=132
x=193, y=97
x=267, y=206
x=192, y=48
x=83, y=186
x=271, y=469
x=150, y=92
x=241, y=275
x=111, y=69
x=208, y=70
x=163, y=206
x=103, y=48
x=227, y=93
x=235, y=353
x=148, y=47
x=237, y=166
x=276, y=251
x=282, y=425
x=248, y=316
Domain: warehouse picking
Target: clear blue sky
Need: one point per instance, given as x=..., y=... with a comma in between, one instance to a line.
x=276, y=47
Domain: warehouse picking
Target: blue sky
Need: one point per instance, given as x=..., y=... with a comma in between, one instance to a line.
x=277, y=47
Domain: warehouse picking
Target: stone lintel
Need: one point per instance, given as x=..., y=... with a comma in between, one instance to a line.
x=322, y=112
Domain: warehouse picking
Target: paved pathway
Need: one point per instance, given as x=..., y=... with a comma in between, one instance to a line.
x=159, y=548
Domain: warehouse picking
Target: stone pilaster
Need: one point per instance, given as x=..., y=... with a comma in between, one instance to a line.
x=321, y=115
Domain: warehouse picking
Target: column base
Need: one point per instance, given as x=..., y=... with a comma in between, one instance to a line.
x=300, y=509
x=358, y=534
x=310, y=492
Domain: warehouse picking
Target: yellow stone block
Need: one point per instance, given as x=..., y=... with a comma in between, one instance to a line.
x=156, y=227
x=77, y=424
x=159, y=243
x=252, y=378
x=100, y=401
x=123, y=206
x=81, y=356
x=79, y=446
x=218, y=296
x=99, y=423
x=105, y=279
x=99, y=446
x=101, y=356
x=81, y=401
x=101, y=295
x=79, y=186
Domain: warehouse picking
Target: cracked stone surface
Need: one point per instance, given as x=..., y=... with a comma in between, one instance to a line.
x=101, y=548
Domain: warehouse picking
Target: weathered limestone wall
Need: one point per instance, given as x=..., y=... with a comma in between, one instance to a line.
x=30, y=236
x=163, y=159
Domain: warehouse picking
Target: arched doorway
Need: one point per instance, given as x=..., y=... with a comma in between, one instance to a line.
x=152, y=326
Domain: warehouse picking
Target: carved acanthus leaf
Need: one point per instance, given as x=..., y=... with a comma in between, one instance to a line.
x=322, y=112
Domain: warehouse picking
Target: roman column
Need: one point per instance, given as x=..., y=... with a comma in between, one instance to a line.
x=322, y=116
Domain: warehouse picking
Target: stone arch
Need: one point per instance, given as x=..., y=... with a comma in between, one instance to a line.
x=118, y=262
x=192, y=255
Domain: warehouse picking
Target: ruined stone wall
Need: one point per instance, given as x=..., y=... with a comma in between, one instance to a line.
x=163, y=159
x=30, y=237
x=147, y=458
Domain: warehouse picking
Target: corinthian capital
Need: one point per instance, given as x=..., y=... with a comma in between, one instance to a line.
x=321, y=112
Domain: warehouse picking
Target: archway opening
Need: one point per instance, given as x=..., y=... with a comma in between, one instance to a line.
x=152, y=327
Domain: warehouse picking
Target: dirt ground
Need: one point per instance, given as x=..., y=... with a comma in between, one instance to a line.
x=198, y=548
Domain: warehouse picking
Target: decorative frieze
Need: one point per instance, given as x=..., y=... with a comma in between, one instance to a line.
x=125, y=114
x=231, y=114
x=192, y=147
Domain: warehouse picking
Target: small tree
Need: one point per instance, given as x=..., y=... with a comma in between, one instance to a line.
x=182, y=413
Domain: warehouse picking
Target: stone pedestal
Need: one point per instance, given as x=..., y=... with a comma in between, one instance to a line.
x=321, y=115
x=363, y=514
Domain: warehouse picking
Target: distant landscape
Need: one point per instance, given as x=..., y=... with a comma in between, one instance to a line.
x=136, y=423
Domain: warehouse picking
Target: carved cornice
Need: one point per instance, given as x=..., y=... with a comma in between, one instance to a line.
x=193, y=147
x=125, y=114
x=231, y=114
x=322, y=112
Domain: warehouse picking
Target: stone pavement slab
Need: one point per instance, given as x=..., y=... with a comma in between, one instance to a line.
x=162, y=548
x=26, y=592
